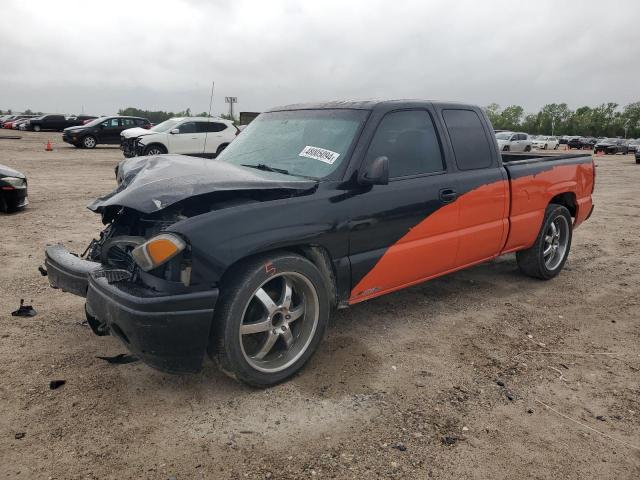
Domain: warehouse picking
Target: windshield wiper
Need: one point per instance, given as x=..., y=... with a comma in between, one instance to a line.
x=267, y=168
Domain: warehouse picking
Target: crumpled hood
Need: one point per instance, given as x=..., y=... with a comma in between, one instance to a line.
x=135, y=132
x=10, y=172
x=150, y=184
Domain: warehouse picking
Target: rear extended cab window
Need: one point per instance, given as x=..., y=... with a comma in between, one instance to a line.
x=471, y=148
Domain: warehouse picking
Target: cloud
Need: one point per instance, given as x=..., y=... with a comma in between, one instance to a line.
x=59, y=56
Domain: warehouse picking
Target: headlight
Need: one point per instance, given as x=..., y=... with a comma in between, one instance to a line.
x=158, y=250
x=14, y=181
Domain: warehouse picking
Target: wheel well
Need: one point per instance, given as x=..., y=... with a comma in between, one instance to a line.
x=568, y=200
x=156, y=144
x=317, y=255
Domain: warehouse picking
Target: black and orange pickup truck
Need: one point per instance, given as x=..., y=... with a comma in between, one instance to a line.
x=312, y=207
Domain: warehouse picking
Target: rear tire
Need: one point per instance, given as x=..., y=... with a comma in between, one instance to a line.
x=252, y=339
x=546, y=257
x=527, y=148
x=221, y=148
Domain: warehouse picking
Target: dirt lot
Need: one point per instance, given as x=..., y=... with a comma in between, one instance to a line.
x=444, y=380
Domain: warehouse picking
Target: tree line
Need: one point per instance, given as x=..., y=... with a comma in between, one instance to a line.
x=158, y=116
x=605, y=120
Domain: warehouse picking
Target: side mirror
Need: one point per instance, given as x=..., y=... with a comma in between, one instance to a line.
x=377, y=172
x=175, y=131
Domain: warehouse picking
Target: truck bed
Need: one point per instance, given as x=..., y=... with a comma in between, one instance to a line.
x=535, y=179
x=520, y=158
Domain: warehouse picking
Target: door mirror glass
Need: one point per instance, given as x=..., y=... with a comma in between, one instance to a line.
x=175, y=131
x=377, y=172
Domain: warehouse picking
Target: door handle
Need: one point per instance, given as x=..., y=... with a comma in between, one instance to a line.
x=448, y=195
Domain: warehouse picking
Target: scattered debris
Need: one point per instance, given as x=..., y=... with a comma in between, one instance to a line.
x=120, y=359
x=24, y=310
x=465, y=429
x=601, y=418
x=449, y=440
x=510, y=395
x=400, y=446
x=42, y=271
x=500, y=383
x=20, y=435
x=54, y=384
x=530, y=410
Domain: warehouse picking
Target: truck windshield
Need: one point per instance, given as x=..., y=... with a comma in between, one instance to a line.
x=308, y=143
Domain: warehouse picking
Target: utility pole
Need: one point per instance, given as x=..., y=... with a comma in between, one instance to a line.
x=231, y=101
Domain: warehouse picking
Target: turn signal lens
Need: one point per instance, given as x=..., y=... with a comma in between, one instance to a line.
x=158, y=250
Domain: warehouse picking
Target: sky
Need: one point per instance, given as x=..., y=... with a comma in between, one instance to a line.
x=68, y=56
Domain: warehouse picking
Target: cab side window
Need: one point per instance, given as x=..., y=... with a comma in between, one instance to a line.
x=188, y=127
x=409, y=139
x=128, y=122
x=470, y=145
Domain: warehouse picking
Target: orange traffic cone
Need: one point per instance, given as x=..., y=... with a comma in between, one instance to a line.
x=49, y=147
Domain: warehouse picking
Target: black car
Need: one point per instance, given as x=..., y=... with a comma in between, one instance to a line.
x=13, y=190
x=102, y=130
x=611, y=146
x=48, y=122
x=638, y=156
x=581, y=143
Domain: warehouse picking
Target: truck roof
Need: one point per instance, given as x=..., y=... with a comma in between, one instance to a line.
x=364, y=104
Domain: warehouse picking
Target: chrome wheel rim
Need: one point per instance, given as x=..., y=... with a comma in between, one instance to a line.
x=89, y=142
x=279, y=322
x=154, y=151
x=556, y=239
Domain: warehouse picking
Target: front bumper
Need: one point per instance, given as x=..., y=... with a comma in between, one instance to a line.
x=169, y=332
x=15, y=197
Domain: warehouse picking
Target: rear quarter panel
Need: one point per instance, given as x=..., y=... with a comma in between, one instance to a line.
x=533, y=186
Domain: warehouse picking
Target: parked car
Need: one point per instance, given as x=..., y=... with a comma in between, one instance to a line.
x=181, y=135
x=11, y=123
x=611, y=146
x=19, y=124
x=313, y=207
x=13, y=190
x=48, y=122
x=633, y=145
x=105, y=130
x=637, y=155
x=545, y=142
x=514, y=142
x=578, y=143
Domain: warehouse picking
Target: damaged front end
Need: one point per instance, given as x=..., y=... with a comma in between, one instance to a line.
x=137, y=276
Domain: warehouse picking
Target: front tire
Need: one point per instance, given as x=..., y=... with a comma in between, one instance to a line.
x=527, y=148
x=271, y=315
x=36, y=128
x=154, y=150
x=546, y=257
x=89, y=141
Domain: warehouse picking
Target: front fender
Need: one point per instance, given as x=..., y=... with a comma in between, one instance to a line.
x=220, y=238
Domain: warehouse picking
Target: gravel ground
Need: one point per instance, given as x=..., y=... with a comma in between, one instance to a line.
x=450, y=379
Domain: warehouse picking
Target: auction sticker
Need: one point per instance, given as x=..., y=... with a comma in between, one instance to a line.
x=317, y=153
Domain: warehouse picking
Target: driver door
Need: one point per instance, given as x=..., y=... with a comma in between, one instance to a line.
x=188, y=140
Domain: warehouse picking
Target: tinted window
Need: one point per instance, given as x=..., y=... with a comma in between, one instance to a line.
x=215, y=127
x=470, y=144
x=522, y=136
x=410, y=142
x=128, y=122
x=111, y=123
x=140, y=121
x=189, y=127
x=204, y=127
x=54, y=118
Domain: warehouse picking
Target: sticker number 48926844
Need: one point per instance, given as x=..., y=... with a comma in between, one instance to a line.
x=317, y=153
